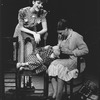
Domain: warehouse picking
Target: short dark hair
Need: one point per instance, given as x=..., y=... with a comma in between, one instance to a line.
x=36, y=0
x=40, y=0
x=63, y=24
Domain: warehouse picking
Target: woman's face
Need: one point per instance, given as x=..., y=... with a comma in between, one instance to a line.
x=63, y=32
x=37, y=4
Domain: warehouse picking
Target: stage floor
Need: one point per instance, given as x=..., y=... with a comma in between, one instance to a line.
x=38, y=84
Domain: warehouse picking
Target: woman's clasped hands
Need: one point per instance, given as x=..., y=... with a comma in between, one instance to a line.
x=67, y=51
x=37, y=37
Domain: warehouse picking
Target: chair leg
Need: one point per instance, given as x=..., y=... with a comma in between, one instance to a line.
x=46, y=84
x=66, y=95
x=71, y=89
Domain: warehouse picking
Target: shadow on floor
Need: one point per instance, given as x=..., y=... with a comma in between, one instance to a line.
x=10, y=93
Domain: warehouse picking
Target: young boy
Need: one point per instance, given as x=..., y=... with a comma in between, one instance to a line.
x=40, y=60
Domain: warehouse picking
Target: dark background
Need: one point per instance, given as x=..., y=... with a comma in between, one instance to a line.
x=83, y=15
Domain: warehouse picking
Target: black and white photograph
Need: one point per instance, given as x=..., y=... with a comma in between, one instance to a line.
x=49, y=49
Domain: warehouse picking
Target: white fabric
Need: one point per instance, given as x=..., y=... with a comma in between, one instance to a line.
x=62, y=72
x=37, y=37
x=68, y=75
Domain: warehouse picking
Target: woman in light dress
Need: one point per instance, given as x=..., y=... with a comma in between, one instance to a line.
x=71, y=45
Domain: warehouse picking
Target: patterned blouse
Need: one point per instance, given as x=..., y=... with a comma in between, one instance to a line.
x=31, y=19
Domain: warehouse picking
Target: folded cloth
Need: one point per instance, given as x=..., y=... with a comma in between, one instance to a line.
x=69, y=75
x=73, y=73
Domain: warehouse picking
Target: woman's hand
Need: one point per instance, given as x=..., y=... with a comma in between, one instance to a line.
x=56, y=50
x=46, y=47
x=67, y=51
x=37, y=38
x=38, y=56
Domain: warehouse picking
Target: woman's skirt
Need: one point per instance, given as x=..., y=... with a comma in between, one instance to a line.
x=65, y=69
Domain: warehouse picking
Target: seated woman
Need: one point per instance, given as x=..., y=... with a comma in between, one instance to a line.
x=31, y=27
x=63, y=69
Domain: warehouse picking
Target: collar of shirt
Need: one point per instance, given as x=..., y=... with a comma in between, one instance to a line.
x=70, y=33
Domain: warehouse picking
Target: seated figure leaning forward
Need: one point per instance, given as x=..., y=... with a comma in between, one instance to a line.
x=71, y=45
